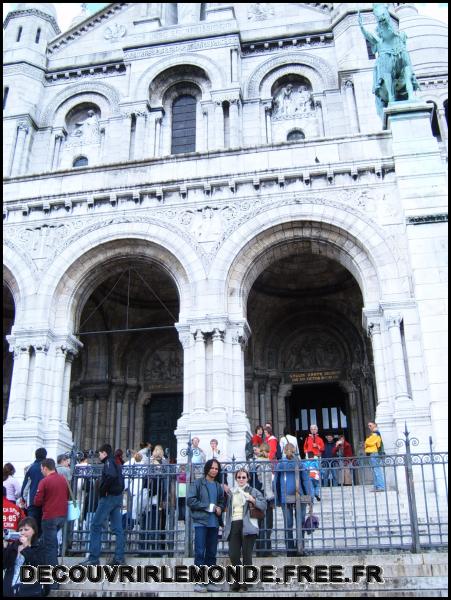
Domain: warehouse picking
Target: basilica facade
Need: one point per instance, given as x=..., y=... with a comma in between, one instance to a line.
x=208, y=226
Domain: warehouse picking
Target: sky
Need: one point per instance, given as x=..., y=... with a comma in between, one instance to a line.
x=66, y=12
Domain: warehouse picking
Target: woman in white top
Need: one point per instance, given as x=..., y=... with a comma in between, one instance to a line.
x=287, y=438
x=10, y=482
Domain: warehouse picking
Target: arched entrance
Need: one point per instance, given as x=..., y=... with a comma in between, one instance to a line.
x=127, y=381
x=8, y=360
x=309, y=360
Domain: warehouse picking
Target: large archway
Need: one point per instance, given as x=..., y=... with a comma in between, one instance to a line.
x=8, y=359
x=131, y=359
x=309, y=360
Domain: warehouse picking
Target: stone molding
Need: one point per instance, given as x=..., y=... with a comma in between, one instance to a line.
x=98, y=71
x=180, y=48
x=325, y=72
x=71, y=96
x=46, y=239
x=302, y=42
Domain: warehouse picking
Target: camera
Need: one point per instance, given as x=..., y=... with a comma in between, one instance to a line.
x=11, y=536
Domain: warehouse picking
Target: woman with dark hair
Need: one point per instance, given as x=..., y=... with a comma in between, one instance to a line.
x=24, y=551
x=206, y=501
x=257, y=438
x=10, y=482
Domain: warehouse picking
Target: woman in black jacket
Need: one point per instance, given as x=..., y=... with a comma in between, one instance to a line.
x=25, y=551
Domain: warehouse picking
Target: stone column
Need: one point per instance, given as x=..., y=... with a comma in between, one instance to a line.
x=35, y=408
x=218, y=370
x=66, y=389
x=268, y=126
x=95, y=422
x=262, y=401
x=274, y=402
x=88, y=426
x=132, y=397
x=157, y=145
x=123, y=441
x=19, y=381
x=348, y=88
x=59, y=139
x=401, y=394
x=235, y=129
x=103, y=419
x=199, y=403
x=140, y=135
x=204, y=142
x=117, y=429
x=443, y=125
x=79, y=410
x=234, y=65
x=383, y=400
x=23, y=130
x=55, y=416
x=219, y=125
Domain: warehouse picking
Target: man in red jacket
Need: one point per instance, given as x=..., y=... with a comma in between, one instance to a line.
x=313, y=443
x=52, y=495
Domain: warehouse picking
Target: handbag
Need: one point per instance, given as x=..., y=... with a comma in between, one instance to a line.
x=311, y=522
x=255, y=513
x=73, y=508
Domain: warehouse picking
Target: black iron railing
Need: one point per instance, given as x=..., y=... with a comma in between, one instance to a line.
x=410, y=512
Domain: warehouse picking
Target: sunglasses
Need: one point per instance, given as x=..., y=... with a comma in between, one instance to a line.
x=243, y=477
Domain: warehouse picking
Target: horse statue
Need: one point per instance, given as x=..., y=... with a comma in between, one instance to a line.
x=393, y=77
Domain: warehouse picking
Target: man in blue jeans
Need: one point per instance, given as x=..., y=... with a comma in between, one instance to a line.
x=206, y=500
x=109, y=507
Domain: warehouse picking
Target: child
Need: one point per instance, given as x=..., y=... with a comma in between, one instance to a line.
x=312, y=466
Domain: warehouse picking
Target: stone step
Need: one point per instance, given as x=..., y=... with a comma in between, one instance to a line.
x=405, y=574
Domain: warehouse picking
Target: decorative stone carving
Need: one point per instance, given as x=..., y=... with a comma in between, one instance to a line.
x=311, y=351
x=165, y=366
x=291, y=101
x=260, y=11
x=87, y=131
x=188, y=13
x=115, y=32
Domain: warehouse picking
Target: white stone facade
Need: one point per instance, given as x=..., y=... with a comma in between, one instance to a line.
x=275, y=171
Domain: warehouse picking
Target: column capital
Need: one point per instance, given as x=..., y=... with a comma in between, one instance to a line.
x=373, y=328
x=218, y=335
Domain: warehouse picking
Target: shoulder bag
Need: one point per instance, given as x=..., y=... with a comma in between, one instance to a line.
x=73, y=508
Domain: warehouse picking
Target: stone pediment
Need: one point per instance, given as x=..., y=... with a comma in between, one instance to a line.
x=122, y=24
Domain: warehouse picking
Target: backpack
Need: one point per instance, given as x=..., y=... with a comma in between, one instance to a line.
x=381, y=449
x=249, y=450
x=278, y=451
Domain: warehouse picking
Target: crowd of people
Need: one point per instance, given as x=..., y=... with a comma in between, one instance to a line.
x=275, y=474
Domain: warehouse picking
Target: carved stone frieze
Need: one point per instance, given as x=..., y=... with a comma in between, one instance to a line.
x=313, y=351
x=260, y=11
x=203, y=228
x=165, y=366
x=181, y=48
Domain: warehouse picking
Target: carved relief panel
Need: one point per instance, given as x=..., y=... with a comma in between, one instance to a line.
x=164, y=369
x=293, y=109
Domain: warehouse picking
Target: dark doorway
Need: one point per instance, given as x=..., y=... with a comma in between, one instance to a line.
x=322, y=403
x=160, y=422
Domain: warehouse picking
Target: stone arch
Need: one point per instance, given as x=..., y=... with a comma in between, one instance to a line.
x=18, y=277
x=64, y=286
x=212, y=71
x=170, y=78
x=316, y=70
x=101, y=94
x=340, y=233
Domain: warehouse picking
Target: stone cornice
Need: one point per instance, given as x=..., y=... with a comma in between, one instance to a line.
x=180, y=47
x=100, y=70
x=32, y=11
x=160, y=189
x=301, y=42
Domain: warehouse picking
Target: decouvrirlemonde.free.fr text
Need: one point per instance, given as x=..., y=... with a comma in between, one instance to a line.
x=285, y=574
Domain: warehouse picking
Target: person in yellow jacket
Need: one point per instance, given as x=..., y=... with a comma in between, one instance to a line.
x=373, y=444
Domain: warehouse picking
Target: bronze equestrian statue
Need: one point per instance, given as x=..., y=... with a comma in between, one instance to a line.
x=393, y=77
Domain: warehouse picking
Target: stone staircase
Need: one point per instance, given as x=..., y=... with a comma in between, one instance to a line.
x=404, y=574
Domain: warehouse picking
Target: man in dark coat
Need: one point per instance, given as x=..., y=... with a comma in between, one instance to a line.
x=109, y=507
x=33, y=476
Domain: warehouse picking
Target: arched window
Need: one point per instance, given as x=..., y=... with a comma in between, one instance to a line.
x=19, y=34
x=38, y=36
x=183, y=125
x=295, y=135
x=80, y=161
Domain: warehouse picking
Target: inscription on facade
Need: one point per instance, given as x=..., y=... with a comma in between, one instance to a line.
x=312, y=376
